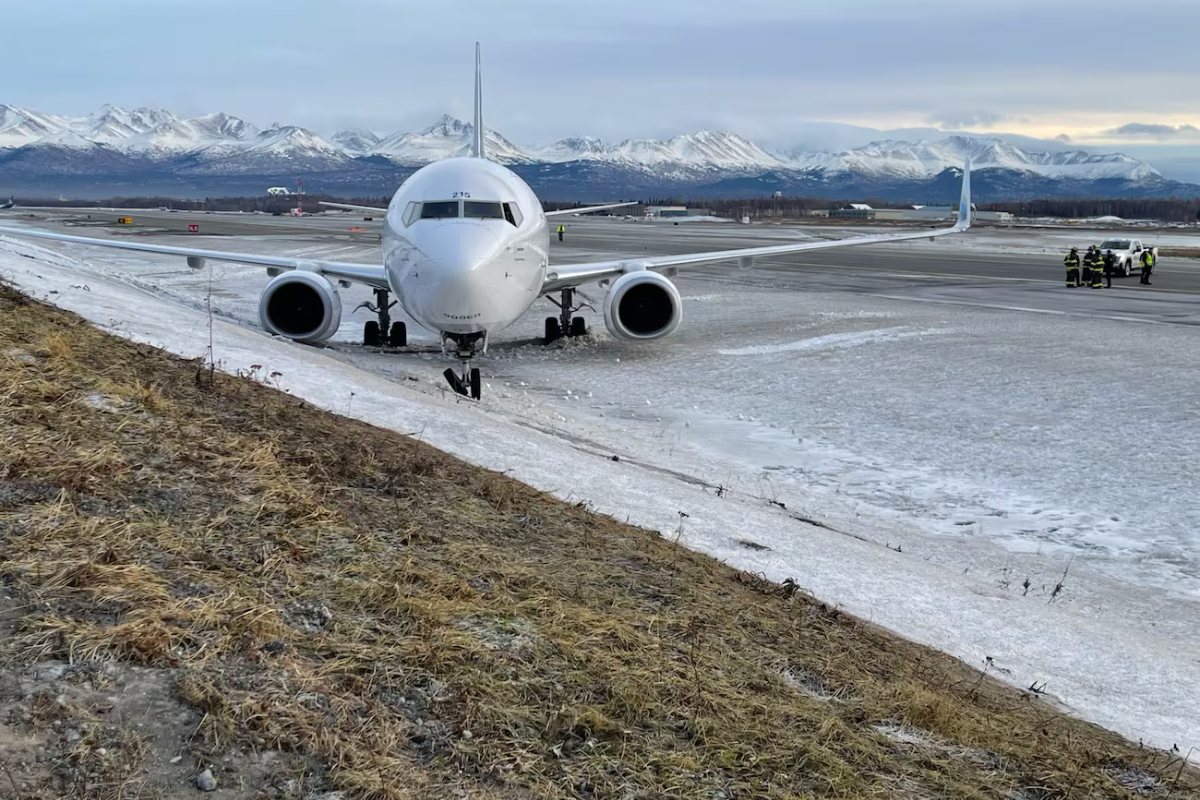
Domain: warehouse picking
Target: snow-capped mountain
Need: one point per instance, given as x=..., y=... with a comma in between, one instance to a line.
x=705, y=150
x=111, y=125
x=355, y=142
x=19, y=126
x=224, y=126
x=925, y=159
x=446, y=138
x=280, y=149
x=222, y=153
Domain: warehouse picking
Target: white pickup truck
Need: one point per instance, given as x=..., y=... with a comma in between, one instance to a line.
x=1128, y=253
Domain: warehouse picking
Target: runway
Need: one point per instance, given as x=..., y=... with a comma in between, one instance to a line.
x=955, y=270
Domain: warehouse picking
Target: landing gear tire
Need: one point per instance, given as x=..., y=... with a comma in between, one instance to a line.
x=553, y=330
x=476, y=386
x=371, y=336
x=578, y=327
x=398, y=336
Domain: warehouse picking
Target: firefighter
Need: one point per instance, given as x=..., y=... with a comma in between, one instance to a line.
x=561, y=230
x=1072, y=262
x=1147, y=265
x=1089, y=261
x=1110, y=266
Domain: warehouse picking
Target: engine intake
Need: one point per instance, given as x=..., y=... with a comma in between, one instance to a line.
x=642, y=305
x=302, y=306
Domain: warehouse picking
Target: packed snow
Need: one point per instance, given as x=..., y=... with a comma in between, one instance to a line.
x=937, y=470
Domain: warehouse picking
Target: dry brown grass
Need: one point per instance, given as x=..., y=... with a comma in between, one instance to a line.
x=420, y=626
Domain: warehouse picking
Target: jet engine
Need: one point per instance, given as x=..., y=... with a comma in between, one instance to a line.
x=642, y=305
x=302, y=306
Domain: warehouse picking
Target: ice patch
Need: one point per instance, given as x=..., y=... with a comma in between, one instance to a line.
x=836, y=341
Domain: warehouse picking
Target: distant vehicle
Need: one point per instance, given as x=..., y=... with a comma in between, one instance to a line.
x=11, y=202
x=278, y=190
x=1128, y=253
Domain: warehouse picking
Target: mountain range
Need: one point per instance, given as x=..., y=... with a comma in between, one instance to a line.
x=154, y=151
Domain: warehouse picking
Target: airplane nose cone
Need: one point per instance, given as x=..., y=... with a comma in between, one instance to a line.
x=459, y=246
x=460, y=288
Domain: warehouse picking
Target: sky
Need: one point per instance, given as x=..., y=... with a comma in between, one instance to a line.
x=1104, y=74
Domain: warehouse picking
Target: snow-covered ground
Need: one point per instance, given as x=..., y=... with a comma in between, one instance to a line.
x=959, y=463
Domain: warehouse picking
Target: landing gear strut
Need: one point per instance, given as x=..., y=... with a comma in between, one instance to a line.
x=467, y=384
x=564, y=324
x=375, y=330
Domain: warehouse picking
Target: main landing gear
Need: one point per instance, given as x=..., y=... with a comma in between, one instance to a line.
x=374, y=331
x=466, y=344
x=564, y=324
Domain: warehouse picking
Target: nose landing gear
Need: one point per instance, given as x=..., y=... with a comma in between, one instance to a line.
x=375, y=330
x=564, y=324
x=466, y=346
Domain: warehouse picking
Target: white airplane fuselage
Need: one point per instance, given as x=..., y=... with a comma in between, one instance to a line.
x=465, y=274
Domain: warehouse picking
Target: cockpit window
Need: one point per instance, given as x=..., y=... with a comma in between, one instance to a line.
x=512, y=214
x=441, y=209
x=479, y=209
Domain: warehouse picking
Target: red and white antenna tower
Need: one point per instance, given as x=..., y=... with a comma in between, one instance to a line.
x=299, y=209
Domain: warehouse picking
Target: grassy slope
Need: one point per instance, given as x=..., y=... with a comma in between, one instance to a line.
x=409, y=625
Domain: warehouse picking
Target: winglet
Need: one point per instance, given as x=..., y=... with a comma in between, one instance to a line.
x=477, y=142
x=964, y=202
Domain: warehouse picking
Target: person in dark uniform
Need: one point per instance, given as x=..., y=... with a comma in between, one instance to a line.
x=1110, y=266
x=1147, y=265
x=561, y=230
x=1072, y=262
x=1089, y=261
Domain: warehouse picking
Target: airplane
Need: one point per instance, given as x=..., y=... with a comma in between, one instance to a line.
x=466, y=253
x=11, y=202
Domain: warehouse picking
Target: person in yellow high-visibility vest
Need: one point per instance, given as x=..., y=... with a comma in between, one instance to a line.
x=561, y=230
x=1147, y=265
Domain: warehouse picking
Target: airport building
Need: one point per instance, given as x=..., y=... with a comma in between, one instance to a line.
x=854, y=211
x=666, y=211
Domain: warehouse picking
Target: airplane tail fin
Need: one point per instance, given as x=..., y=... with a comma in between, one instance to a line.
x=477, y=143
x=964, y=202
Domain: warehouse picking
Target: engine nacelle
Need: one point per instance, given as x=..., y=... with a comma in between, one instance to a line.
x=302, y=306
x=642, y=305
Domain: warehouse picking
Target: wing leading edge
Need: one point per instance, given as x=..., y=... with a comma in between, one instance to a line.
x=350, y=207
x=369, y=274
x=562, y=212
x=566, y=275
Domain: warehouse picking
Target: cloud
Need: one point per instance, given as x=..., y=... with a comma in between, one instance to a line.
x=1062, y=137
x=1141, y=130
x=968, y=119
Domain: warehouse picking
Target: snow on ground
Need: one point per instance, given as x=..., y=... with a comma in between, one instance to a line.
x=947, y=456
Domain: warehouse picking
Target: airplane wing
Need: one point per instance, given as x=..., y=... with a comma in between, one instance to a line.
x=369, y=274
x=565, y=211
x=568, y=275
x=349, y=207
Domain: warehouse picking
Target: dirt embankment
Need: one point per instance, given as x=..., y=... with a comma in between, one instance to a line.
x=206, y=584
